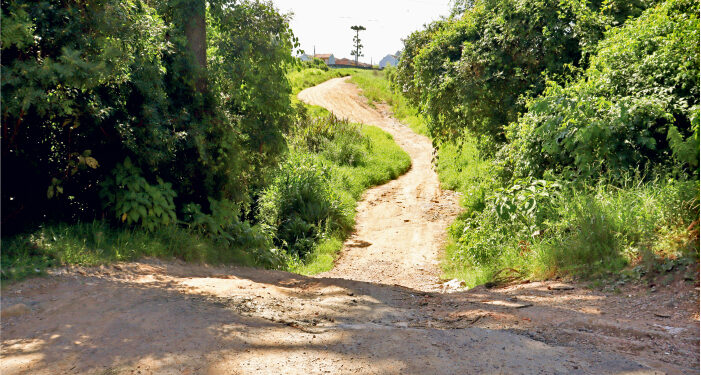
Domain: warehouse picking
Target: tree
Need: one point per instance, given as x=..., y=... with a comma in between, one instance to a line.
x=473, y=70
x=196, y=34
x=180, y=87
x=356, y=41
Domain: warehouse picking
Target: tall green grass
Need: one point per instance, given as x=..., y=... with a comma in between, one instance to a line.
x=593, y=232
x=97, y=242
x=310, y=77
x=377, y=89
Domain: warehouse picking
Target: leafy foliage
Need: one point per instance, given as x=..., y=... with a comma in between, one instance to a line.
x=636, y=106
x=66, y=91
x=85, y=85
x=314, y=63
x=133, y=200
x=471, y=71
x=300, y=206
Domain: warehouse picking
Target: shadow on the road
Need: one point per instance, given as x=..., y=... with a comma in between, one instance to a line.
x=164, y=319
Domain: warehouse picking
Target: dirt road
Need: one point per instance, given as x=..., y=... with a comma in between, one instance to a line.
x=401, y=225
x=155, y=317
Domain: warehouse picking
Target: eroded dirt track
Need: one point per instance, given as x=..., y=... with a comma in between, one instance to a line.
x=401, y=225
x=155, y=317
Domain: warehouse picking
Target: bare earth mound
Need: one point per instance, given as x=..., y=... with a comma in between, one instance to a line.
x=382, y=310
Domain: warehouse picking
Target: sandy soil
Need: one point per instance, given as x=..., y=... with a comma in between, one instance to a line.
x=382, y=310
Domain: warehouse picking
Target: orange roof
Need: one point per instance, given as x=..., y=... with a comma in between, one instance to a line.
x=322, y=55
x=344, y=61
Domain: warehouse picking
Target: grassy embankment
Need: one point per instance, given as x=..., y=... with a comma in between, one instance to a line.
x=384, y=161
x=595, y=230
x=98, y=242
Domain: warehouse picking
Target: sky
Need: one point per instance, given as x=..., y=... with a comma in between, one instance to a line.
x=326, y=24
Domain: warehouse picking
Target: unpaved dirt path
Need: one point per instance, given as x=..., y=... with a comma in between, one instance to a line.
x=155, y=317
x=401, y=225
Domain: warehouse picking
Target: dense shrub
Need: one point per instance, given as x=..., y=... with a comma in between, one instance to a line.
x=300, y=206
x=85, y=85
x=471, y=71
x=314, y=63
x=131, y=199
x=66, y=90
x=636, y=106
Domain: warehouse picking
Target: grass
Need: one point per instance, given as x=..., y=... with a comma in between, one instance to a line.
x=377, y=89
x=385, y=161
x=95, y=243
x=593, y=232
x=302, y=79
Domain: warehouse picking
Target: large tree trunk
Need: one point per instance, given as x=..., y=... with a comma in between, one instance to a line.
x=196, y=34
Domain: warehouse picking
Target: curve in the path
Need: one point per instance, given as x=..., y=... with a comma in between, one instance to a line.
x=400, y=226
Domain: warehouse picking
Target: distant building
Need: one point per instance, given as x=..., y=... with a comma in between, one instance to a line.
x=343, y=62
x=389, y=60
x=328, y=58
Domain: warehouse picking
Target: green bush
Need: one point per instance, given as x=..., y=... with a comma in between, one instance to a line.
x=300, y=206
x=314, y=63
x=636, y=106
x=223, y=225
x=470, y=71
x=131, y=199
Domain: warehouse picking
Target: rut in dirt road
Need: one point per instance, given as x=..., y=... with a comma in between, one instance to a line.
x=400, y=226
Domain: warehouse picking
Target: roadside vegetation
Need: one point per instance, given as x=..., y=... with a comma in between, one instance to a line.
x=129, y=145
x=571, y=128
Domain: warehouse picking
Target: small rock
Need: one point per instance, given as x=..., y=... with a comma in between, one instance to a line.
x=454, y=284
x=15, y=310
x=662, y=315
